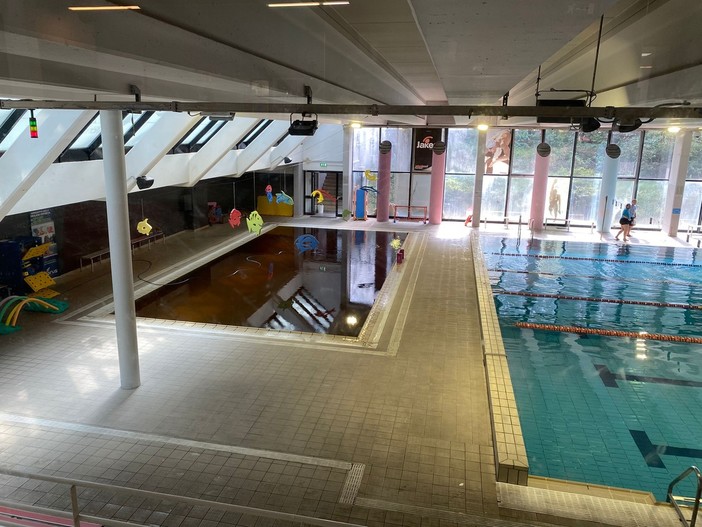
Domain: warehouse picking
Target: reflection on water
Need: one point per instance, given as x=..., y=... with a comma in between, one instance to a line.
x=269, y=283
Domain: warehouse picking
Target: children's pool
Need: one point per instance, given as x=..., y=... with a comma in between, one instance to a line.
x=289, y=279
x=621, y=404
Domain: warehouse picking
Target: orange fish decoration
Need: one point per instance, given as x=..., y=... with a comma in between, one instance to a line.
x=234, y=218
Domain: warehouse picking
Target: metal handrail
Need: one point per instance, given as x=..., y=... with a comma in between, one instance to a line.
x=76, y=517
x=670, y=498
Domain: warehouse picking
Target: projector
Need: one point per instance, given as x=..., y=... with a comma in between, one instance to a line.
x=301, y=127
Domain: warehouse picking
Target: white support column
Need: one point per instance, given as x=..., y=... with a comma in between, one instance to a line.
x=260, y=146
x=608, y=189
x=299, y=189
x=156, y=143
x=219, y=146
x=479, y=173
x=120, y=247
x=27, y=159
x=347, y=167
x=676, y=183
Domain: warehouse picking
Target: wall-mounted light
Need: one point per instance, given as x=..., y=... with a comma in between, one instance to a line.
x=105, y=8
x=355, y=125
x=482, y=127
x=33, y=130
x=144, y=182
x=674, y=129
x=309, y=4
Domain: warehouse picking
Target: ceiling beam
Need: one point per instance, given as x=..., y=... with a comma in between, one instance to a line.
x=605, y=112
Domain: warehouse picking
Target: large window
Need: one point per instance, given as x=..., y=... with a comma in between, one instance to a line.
x=461, y=159
x=656, y=156
x=691, y=210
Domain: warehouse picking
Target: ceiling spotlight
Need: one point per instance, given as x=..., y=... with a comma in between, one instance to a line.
x=626, y=126
x=144, y=182
x=674, y=129
x=483, y=127
x=302, y=126
x=355, y=125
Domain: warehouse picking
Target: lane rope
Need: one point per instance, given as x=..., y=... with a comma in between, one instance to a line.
x=585, y=258
x=608, y=332
x=592, y=277
x=590, y=299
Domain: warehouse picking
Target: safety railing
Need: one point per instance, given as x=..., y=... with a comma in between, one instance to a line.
x=75, y=517
x=694, y=231
x=676, y=500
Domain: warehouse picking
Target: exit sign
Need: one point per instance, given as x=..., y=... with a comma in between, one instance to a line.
x=322, y=164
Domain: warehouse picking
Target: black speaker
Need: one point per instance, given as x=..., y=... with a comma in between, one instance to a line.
x=144, y=182
x=589, y=124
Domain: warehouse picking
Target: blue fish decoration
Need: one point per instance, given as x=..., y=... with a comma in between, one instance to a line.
x=306, y=242
x=282, y=197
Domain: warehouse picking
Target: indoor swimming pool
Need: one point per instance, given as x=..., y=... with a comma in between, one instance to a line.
x=290, y=279
x=604, y=344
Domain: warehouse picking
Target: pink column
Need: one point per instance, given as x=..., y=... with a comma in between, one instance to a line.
x=436, y=191
x=538, y=196
x=383, y=205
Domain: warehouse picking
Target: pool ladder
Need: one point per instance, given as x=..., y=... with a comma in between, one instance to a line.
x=686, y=501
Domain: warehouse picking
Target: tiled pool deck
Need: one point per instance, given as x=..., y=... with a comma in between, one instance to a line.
x=391, y=429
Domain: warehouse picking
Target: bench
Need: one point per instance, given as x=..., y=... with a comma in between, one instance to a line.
x=93, y=257
x=147, y=239
x=97, y=256
x=409, y=216
x=559, y=223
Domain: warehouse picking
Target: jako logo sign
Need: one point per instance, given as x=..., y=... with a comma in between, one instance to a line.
x=427, y=142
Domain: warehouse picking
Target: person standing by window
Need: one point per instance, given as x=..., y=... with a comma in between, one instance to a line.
x=625, y=223
x=633, y=215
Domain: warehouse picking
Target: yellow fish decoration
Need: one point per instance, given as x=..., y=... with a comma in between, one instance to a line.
x=143, y=227
x=317, y=193
x=254, y=222
x=370, y=176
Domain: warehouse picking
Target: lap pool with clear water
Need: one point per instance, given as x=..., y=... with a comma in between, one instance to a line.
x=621, y=404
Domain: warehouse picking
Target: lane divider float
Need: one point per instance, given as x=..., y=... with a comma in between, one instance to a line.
x=609, y=332
x=590, y=299
x=585, y=258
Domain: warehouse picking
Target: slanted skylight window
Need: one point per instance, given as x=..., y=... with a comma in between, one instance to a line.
x=143, y=129
x=89, y=135
x=20, y=127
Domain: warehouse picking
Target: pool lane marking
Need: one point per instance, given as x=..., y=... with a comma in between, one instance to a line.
x=591, y=299
x=610, y=378
x=588, y=259
x=609, y=332
x=589, y=277
x=652, y=453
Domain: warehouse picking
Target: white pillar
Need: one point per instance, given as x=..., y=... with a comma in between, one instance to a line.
x=608, y=189
x=540, y=189
x=347, y=167
x=479, y=173
x=298, y=191
x=676, y=183
x=120, y=247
